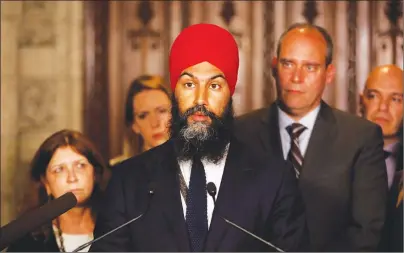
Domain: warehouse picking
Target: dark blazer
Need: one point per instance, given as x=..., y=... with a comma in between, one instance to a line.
x=35, y=243
x=343, y=179
x=392, y=237
x=258, y=194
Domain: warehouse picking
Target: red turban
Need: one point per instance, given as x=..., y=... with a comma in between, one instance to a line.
x=205, y=42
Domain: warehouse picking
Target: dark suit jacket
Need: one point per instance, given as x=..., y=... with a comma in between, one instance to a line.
x=258, y=194
x=37, y=243
x=392, y=237
x=343, y=179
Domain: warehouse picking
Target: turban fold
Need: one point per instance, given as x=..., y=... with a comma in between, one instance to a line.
x=205, y=42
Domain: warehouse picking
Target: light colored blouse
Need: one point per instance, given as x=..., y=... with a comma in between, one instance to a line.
x=73, y=241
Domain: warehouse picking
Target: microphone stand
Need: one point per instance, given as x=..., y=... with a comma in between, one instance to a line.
x=256, y=237
x=99, y=238
x=150, y=194
x=211, y=188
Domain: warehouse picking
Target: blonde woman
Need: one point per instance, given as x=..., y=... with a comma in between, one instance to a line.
x=147, y=114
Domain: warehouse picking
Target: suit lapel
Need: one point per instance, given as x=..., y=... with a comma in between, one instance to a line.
x=324, y=132
x=270, y=134
x=227, y=195
x=171, y=198
x=320, y=143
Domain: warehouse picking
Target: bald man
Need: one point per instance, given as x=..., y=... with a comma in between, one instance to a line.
x=382, y=103
x=337, y=157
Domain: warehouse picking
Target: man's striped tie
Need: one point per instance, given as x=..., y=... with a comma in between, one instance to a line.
x=295, y=156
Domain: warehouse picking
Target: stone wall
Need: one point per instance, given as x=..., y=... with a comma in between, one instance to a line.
x=41, y=85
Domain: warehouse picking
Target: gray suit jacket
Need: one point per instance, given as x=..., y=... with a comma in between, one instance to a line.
x=343, y=180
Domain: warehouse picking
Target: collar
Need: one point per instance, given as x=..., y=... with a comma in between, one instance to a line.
x=308, y=120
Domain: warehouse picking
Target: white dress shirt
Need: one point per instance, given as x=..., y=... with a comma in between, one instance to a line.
x=214, y=173
x=72, y=241
x=307, y=121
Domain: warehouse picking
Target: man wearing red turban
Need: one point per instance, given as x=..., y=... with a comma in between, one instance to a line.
x=203, y=161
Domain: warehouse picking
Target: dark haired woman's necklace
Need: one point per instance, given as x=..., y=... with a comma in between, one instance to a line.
x=59, y=235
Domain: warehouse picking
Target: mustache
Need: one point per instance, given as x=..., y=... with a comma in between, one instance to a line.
x=202, y=109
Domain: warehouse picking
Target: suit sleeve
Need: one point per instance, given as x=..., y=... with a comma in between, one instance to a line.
x=288, y=221
x=369, y=195
x=111, y=215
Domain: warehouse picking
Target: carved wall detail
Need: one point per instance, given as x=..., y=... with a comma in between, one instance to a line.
x=269, y=51
x=310, y=12
x=37, y=104
x=227, y=13
x=96, y=114
x=393, y=11
x=37, y=24
x=145, y=14
x=352, y=85
x=185, y=14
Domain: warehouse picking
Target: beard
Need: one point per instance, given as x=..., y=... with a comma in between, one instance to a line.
x=201, y=139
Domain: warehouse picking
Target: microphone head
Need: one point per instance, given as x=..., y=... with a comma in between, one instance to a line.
x=36, y=218
x=151, y=188
x=211, y=187
x=69, y=199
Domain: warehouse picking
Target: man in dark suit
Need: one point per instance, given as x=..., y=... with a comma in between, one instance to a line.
x=382, y=103
x=337, y=157
x=257, y=193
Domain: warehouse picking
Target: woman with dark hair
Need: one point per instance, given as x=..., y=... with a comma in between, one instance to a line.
x=147, y=115
x=65, y=162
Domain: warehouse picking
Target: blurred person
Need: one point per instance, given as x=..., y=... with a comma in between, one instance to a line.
x=65, y=162
x=257, y=193
x=147, y=114
x=382, y=103
x=337, y=157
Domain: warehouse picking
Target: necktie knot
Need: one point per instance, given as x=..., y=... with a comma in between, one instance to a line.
x=387, y=154
x=295, y=130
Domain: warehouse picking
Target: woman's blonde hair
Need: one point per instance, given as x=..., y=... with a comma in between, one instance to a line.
x=144, y=82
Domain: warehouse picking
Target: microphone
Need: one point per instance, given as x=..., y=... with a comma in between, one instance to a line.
x=36, y=218
x=151, y=191
x=211, y=188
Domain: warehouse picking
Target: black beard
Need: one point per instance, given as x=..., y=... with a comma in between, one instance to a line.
x=205, y=141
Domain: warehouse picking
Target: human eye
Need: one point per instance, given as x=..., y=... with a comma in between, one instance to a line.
x=397, y=99
x=287, y=64
x=215, y=86
x=311, y=67
x=81, y=165
x=163, y=110
x=142, y=115
x=57, y=169
x=189, y=85
x=370, y=95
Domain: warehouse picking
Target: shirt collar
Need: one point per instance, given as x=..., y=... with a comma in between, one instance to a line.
x=392, y=147
x=308, y=120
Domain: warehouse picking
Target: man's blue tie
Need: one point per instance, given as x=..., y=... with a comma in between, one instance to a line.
x=197, y=217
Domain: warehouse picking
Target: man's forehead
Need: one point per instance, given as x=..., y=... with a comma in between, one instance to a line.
x=385, y=79
x=305, y=33
x=311, y=41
